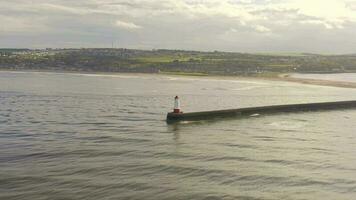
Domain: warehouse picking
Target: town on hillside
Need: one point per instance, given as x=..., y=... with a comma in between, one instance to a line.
x=173, y=61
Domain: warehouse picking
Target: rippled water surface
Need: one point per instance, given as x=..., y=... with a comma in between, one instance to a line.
x=77, y=136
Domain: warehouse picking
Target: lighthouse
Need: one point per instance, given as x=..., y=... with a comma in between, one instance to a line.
x=176, y=108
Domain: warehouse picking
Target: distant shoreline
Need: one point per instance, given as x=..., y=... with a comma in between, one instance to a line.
x=320, y=82
x=279, y=77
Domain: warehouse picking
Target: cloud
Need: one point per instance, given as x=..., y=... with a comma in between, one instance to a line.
x=320, y=22
x=63, y=9
x=233, y=25
x=126, y=25
x=262, y=29
x=15, y=25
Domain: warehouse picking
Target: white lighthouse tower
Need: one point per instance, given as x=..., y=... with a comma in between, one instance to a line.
x=176, y=108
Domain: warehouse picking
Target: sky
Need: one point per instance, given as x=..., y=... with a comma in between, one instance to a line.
x=313, y=26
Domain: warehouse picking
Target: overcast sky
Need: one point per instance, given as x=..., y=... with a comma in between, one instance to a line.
x=315, y=26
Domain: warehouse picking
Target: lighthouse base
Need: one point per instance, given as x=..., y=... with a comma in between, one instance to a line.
x=177, y=111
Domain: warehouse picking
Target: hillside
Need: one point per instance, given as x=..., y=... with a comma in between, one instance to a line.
x=172, y=61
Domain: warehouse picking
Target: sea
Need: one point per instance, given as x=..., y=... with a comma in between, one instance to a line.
x=105, y=136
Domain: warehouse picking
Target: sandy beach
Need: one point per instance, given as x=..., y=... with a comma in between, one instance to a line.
x=331, y=83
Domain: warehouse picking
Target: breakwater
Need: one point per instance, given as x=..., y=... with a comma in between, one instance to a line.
x=243, y=112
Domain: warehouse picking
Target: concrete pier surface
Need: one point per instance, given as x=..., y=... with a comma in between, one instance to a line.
x=243, y=112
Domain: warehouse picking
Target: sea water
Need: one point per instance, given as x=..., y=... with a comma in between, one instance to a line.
x=95, y=136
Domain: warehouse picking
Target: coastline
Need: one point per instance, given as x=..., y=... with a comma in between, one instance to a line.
x=320, y=82
x=277, y=77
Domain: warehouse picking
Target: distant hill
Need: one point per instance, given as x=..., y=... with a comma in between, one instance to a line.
x=173, y=61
